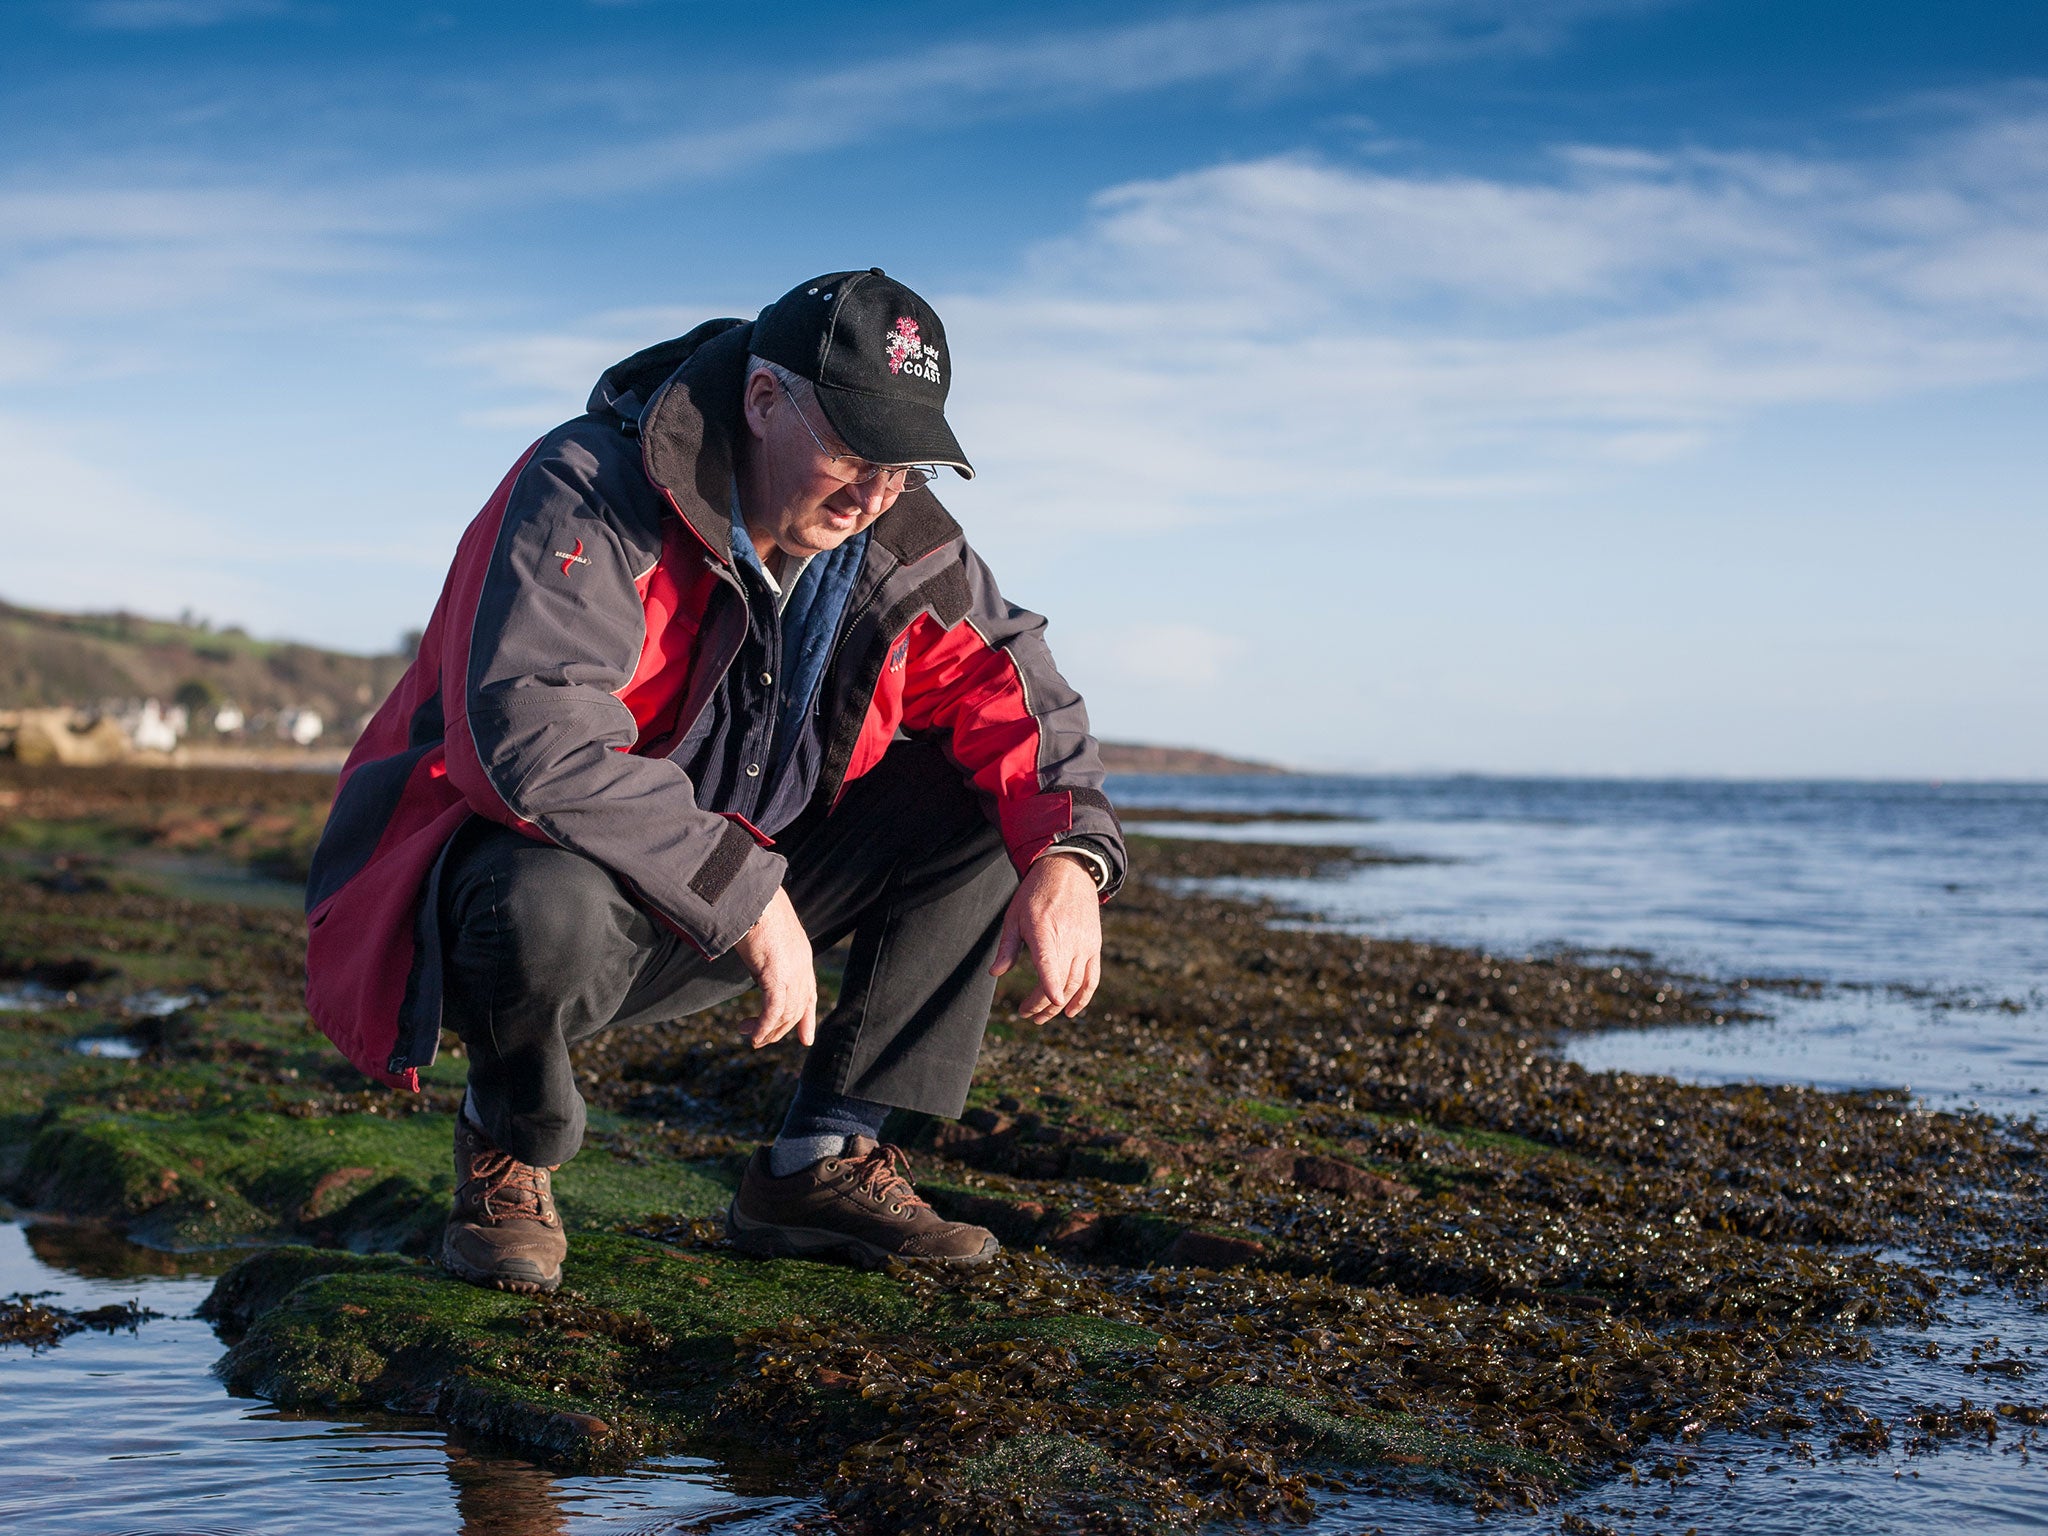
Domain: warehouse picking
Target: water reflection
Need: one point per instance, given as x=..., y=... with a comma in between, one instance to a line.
x=497, y=1496
x=90, y=1250
x=132, y=1433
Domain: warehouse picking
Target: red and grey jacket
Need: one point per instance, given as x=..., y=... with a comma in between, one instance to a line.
x=589, y=616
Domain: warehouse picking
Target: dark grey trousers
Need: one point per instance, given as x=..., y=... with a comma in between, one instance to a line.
x=544, y=948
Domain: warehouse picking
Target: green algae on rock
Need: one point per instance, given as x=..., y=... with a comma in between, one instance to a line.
x=1288, y=1210
x=624, y=1361
x=356, y=1181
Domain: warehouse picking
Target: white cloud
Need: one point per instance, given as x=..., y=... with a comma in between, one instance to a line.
x=1293, y=336
x=1250, y=47
x=99, y=243
x=114, y=279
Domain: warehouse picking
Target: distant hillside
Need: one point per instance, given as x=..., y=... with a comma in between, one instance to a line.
x=1131, y=757
x=92, y=659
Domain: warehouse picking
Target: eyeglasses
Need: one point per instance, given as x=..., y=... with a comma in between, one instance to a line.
x=915, y=477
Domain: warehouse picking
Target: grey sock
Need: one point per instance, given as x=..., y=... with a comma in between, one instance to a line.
x=791, y=1153
x=818, y=1126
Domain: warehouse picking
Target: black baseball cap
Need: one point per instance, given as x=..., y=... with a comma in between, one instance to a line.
x=876, y=354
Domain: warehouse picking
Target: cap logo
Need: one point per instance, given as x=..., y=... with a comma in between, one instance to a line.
x=910, y=353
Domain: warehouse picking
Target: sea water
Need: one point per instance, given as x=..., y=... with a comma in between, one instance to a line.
x=1914, y=917
x=130, y=1433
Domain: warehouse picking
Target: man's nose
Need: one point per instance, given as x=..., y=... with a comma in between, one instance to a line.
x=875, y=495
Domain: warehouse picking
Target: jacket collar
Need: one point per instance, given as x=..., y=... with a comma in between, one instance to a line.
x=687, y=434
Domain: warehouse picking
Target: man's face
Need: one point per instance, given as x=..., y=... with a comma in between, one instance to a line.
x=806, y=505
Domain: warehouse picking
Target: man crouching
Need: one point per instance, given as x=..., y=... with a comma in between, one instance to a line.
x=715, y=679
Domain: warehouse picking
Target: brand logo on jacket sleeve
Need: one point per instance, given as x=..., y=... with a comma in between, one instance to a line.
x=570, y=557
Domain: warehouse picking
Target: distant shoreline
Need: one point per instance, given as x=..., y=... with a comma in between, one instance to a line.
x=1135, y=757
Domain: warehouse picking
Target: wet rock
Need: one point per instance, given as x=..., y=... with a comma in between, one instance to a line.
x=1263, y=1162
x=958, y=1141
x=1077, y=1231
x=1341, y=1178
x=321, y=1200
x=65, y=974
x=1014, y=1221
x=25, y=1318
x=576, y=1426
x=1113, y=1166
x=1212, y=1250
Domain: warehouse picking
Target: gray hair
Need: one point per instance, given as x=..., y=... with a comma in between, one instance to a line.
x=789, y=378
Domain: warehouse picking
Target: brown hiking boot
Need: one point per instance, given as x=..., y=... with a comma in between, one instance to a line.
x=857, y=1206
x=503, y=1232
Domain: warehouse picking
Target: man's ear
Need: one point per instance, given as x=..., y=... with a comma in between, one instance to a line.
x=759, y=398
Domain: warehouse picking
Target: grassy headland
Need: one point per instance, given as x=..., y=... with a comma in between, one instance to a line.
x=1286, y=1211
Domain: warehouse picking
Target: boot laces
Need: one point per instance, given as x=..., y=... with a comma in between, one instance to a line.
x=882, y=1174
x=523, y=1187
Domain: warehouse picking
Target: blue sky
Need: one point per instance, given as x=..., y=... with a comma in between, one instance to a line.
x=1624, y=386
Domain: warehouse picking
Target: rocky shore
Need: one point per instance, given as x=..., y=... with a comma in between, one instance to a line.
x=1289, y=1212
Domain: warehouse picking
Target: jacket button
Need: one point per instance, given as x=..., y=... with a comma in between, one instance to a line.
x=753, y=770
x=767, y=678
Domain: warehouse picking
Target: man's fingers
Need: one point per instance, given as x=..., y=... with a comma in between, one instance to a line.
x=1044, y=1002
x=780, y=1013
x=767, y=1033
x=1007, y=946
x=1066, y=985
x=1077, y=988
x=1084, y=994
x=1054, y=919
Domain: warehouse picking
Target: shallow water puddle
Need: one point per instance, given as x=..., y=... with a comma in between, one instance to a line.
x=131, y=1432
x=1766, y=1488
x=1949, y=1055
x=33, y=997
x=108, y=1047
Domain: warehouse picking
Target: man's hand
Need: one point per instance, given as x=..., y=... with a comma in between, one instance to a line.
x=778, y=952
x=1058, y=917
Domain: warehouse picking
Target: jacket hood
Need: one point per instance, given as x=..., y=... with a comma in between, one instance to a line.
x=627, y=386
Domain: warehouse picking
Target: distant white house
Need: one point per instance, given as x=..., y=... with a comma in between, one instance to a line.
x=302, y=726
x=227, y=718
x=150, y=729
